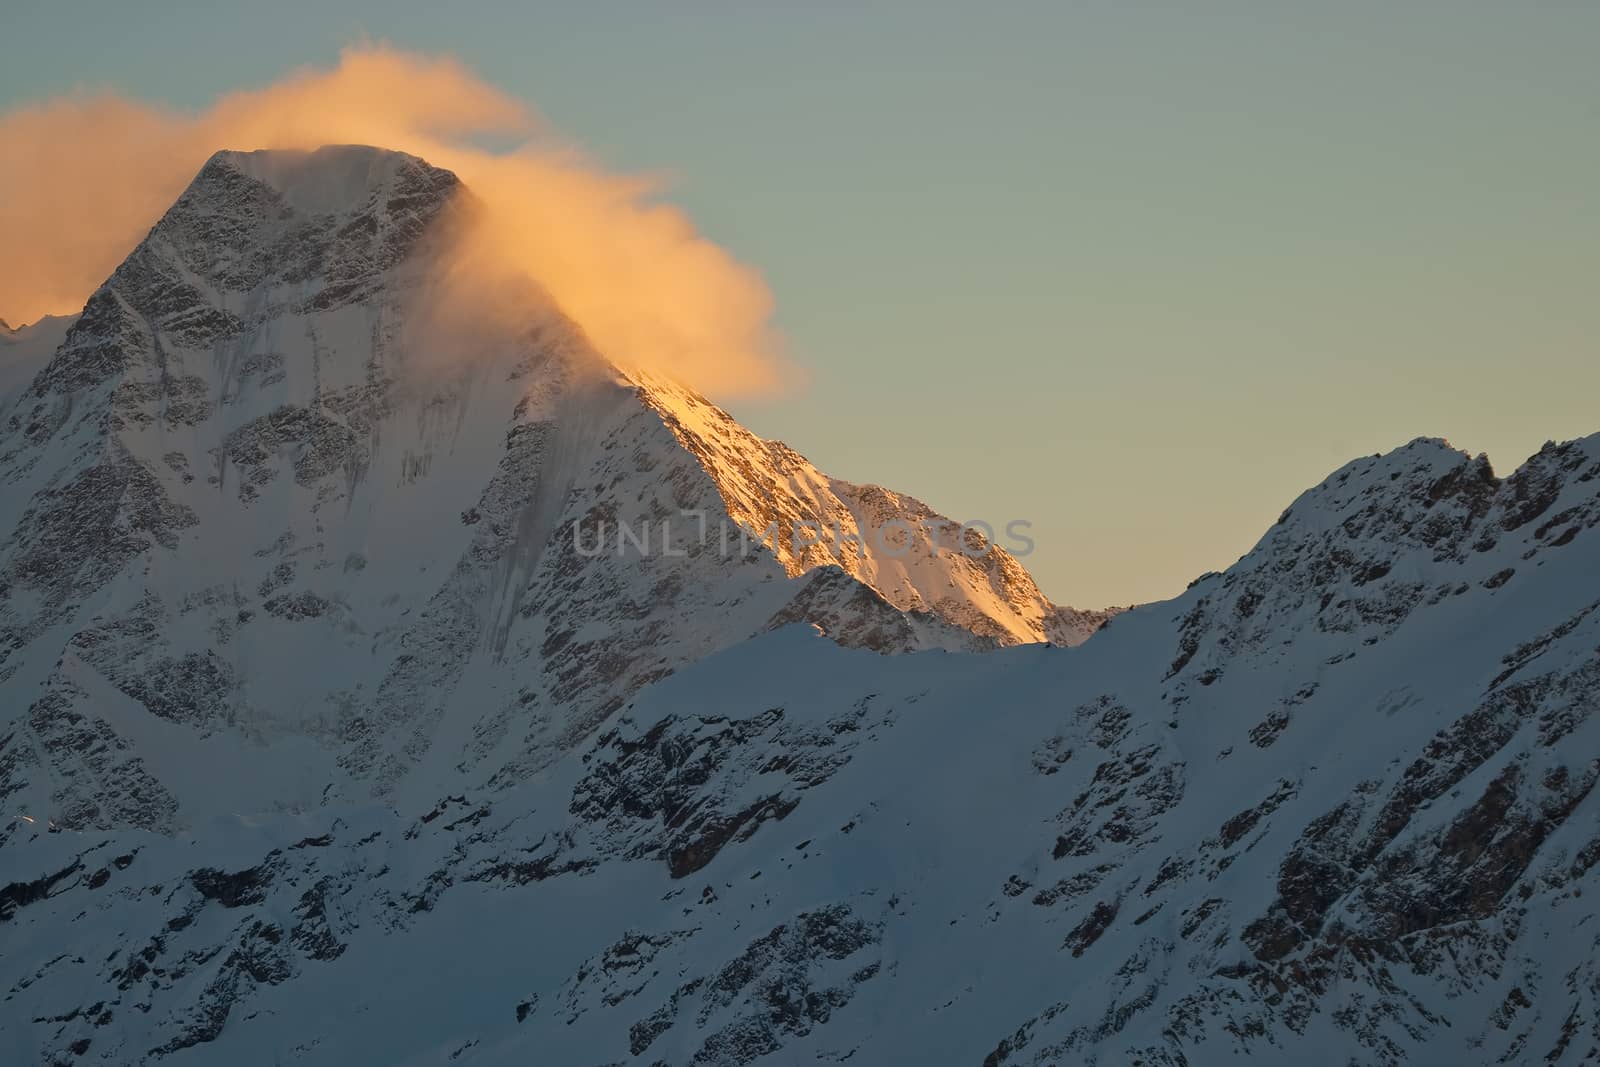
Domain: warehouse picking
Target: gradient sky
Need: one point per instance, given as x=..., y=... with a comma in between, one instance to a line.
x=1136, y=272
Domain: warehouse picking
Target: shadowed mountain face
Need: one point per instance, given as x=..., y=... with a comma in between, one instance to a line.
x=327, y=742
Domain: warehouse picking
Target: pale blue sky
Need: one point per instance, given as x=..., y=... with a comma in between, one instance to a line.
x=1137, y=272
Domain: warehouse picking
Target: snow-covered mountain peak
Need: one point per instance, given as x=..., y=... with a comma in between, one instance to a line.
x=915, y=558
x=1430, y=495
x=260, y=495
x=1384, y=538
x=1394, y=484
x=333, y=179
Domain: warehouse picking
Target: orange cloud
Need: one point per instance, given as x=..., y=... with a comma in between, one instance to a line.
x=82, y=179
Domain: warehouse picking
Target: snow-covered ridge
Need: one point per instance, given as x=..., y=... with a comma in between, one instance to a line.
x=1374, y=844
x=1387, y=536
x=766, y=484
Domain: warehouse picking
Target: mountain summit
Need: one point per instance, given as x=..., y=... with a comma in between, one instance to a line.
x=270, y=500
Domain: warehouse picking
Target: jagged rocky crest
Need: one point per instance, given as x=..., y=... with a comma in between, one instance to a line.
x=324, y=746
